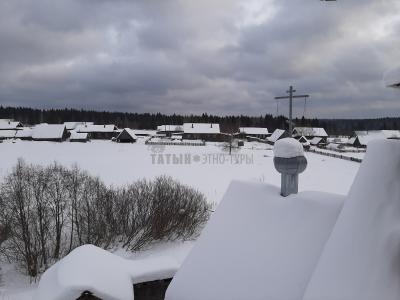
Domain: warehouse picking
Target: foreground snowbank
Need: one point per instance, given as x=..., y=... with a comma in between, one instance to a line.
x=361, y=259
x=89, y=268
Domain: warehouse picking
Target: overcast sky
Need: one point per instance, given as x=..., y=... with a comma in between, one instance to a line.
x=215, y=56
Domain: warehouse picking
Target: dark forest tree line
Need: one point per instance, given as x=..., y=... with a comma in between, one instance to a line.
x=31, y=116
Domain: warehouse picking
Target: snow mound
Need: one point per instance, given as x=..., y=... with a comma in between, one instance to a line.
x=361, y=258
x=108, y=276
x=257, y=245
x=288, y=148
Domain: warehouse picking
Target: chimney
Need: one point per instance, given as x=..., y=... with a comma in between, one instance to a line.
x=104, y=125
x=192, y=125
x=211, y=125
x=289, y=160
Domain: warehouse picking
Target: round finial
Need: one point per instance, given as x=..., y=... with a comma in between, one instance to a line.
x=289, y=157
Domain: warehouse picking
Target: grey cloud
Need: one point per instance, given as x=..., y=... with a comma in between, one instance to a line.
x=192, y=57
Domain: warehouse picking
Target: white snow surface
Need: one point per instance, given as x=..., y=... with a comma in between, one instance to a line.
x=106, y=275
x=361, y=259
x=257, y=245
x=288, y=148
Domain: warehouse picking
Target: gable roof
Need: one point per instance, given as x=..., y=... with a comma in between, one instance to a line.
x=95, y=128
x=202, y=128
x=276, y=135
x=168, y=128
x=48, y=131
x=310, y=131
x=8, y=124
x=254, y=130
x=128, y=131
x=364, y=137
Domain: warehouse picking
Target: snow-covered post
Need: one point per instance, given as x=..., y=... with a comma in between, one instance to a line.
x=289, y=160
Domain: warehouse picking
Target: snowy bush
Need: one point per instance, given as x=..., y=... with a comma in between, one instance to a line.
x=49, y=211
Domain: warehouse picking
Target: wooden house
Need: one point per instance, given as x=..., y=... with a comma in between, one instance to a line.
x=310, y=132
x=253, y=132
x=50, y=132
x=202, y=131
x=79, y=137
x=127, y=135
x=98, y=132
x=8, y=124
x=169, y=130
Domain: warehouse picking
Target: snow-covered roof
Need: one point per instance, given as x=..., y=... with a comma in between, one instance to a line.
x=276, y=135
x=25, y=132
x=364, y=137
x=169, y=128
x=360, y=259
x=257, y=245
x=148, y=132
x=107, y=276
x=7, y=134
x=338, y=140
x=205, y=128
x=129, y=131
x=8, y=124
x=48, y=131
x=95, y=128
x=77, y=136
x=315, y=140
x=254, y=130
x=73, y=125
x=309, y=131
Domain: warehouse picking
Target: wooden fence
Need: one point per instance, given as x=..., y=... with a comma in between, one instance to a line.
x=359, y=160
x=203, y=143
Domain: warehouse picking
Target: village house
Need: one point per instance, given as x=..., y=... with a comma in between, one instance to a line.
x=362, y=138
x=317, y=141
x=144, y=132
x=310, y=132
x=202, y=131
x=169, y=130
x=304, y=142
x=127, y=135
x=81, y=137
x=25, y=133
x=73, y=125
x=277, y=135
x=50, y=132
x=98, y=132
x=9, y=124
x=253, y=132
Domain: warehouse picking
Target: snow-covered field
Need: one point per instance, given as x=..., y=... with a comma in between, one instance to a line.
x=208, y=168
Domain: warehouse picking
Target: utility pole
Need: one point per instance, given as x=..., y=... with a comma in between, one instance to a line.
x=291, y=97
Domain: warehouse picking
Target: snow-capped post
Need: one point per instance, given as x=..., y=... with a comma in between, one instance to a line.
x=289, y=160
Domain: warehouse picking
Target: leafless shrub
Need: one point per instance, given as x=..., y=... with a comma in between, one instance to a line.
x=48, y=211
